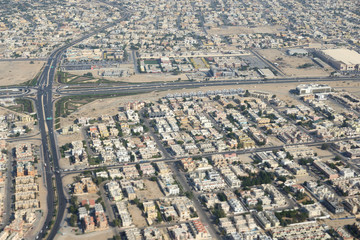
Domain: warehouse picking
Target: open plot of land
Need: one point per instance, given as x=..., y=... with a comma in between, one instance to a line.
x=246, y=158
x=63, y=139
x=86, y=196
x=64, y=163
x=69, y=179
x=18, y=72
x=136, y=215
x=137, y=78
x=9, y=110
x=338, y=107
x=302, y=179
x=152, y=191
x=274, y=141
x=290, y=64
x=322, y=153
x=338, y=223
x=162, y=77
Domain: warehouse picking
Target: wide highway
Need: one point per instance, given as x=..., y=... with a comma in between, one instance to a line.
x=44, y=106
x=82, y=89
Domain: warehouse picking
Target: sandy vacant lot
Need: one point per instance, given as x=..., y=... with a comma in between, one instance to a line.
x=63, y=139
x=69, y=179
x=137, y=78
x=289, y=64
x=152, y=191
x=244, y=30
x=338, y=223
x=18, y=72
x=322, y=153
x=246, y=158
x=136, y=215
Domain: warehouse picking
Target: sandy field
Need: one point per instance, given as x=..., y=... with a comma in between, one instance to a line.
x=246, y=158
x=289, y=64
x=152, y=191
x=4, y=111
x=338, y=223
x=69, y=179
x=231, y=30
x=137, y=78
x=302, y=179
x=18, y=72
x=274, y=141
x=63, y=139
x=322, y=153
x=336, y=106
x=64, y=162
x=136, y=214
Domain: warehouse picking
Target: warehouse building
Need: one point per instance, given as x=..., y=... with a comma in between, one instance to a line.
x=341, y=59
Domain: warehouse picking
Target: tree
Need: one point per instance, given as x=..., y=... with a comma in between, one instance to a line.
x=159, y=218
x=73, y=209
x=189, y=194
x=229, y=106
x=73, y=220
x=87, y=207
x=305, y=161
x=89, y=74
x=325, y=146
x=222, y=197
x=289, y=156
x=117, y=222
x=262, y=177
x=218, y=212
x=73, y=200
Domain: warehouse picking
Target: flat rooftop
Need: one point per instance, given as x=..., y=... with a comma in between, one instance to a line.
x=349, y=57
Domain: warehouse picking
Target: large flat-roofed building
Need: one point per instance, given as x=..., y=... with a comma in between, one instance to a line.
x=341, y=59
x=306, y=89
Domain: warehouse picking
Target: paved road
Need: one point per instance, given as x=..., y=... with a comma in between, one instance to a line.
x=199, y=209
x=44, y=106
x=134, y=58
x=146, y=87
x=115, y=88
x=173, y=158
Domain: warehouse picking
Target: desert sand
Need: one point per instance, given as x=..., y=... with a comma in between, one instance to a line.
x=137, y=78
x=13, y=72
x=289, y=64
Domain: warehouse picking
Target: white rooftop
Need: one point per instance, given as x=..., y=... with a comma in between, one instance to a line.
x=349, y=57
